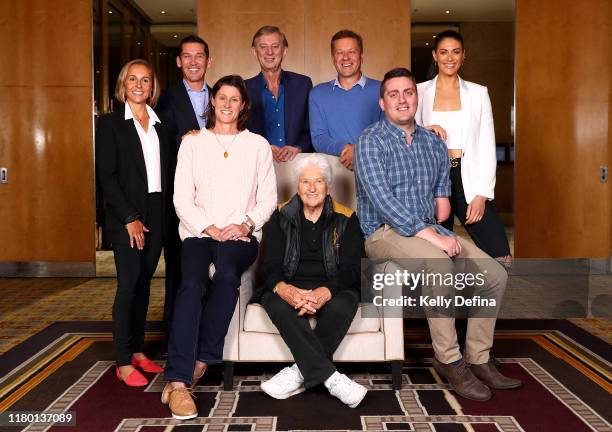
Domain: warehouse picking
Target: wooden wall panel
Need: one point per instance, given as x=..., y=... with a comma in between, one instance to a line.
x=384, y=26
x=309, y=26
x=46, y=133
x=228, y=27
x=562, y=132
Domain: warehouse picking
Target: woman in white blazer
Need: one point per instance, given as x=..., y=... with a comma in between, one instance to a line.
x=460, y=113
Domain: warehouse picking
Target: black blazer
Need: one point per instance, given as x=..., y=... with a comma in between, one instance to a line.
x=175, y=109
x=121, y=172
x=297, y=127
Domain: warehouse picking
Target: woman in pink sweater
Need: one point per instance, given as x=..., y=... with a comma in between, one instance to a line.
x=224, y=192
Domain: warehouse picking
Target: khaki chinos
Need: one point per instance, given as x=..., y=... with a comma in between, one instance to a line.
x=386, y=243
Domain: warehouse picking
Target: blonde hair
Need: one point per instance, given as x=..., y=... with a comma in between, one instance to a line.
x=120, y=86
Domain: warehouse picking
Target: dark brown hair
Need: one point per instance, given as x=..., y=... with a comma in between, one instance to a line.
x=343, y=34
x=395, y=73
x=446, y=34
x=194, y=39
x=233, y=81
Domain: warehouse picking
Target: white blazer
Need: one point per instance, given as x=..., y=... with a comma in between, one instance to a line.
x=479, y=161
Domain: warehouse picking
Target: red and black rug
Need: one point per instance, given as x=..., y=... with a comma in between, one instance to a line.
x=68, y=368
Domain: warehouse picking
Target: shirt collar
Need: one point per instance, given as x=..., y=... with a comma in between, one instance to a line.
x=129, y=115
x=190, y=90
x=263, y=82
x=361, y=82
x=399, y=133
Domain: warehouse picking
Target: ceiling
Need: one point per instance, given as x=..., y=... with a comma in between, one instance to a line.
x=177, y=20
x=179, y=16
x=435, y=11
x=175, y=11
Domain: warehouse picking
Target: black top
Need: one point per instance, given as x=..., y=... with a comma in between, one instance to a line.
x=122, y=174
x=311, y=271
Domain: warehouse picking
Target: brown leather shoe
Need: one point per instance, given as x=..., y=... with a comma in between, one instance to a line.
x=196, y=378
x=488, y=374
x=180, y=401
x=463, y=381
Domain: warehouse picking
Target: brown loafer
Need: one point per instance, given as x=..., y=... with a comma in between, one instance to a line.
x=488, y=374
x=180, y=402
x=196, y=378
x=463, y=381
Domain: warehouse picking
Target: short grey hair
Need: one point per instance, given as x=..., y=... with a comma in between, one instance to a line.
x=314, y=159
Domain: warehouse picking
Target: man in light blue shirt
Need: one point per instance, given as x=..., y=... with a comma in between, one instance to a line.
x=341, y=109
x=183, y=106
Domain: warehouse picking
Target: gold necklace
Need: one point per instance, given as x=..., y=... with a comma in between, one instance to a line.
x=226, y=149
x=142, y=119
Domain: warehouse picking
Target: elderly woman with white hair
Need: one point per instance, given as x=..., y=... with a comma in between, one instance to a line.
x=310, y=266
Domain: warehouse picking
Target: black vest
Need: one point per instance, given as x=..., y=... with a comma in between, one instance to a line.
x=334, y=224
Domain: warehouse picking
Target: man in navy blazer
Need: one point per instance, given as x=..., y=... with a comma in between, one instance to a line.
x=182, y=108
x=280, y=98
x=183, y=105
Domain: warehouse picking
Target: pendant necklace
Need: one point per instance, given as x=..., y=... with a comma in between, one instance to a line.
x=226, y=149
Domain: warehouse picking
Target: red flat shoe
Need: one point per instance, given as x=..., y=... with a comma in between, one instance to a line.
x=134, y=379
x=147, y=365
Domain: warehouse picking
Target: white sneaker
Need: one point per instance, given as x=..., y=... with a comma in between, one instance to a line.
x=284, y=384
x=345, y=389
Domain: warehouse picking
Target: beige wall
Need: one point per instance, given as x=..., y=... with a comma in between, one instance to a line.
x=309, y=26
x=563, y=100
x=47, y=208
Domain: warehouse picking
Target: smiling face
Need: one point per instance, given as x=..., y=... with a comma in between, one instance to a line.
x=312, y=187
x=449, y=55
x=347, y=58
x=399, y=101
x=227, y=103
x=193, y=62
x=269, y=51
x=138, y=84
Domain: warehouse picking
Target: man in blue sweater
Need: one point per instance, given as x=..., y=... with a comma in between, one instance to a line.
x=341, y=109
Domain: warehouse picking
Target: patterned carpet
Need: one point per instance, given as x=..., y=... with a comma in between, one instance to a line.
x=565, y=371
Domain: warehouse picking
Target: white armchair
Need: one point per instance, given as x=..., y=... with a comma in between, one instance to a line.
x=372, y=337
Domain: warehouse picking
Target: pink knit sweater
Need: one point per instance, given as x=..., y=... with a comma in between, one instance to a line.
x=210, y=189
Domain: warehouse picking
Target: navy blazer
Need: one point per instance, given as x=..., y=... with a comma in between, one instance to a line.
x=296, y=88
x=175, y=109
x=122, y=174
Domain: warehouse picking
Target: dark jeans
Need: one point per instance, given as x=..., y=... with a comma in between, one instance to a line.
x=135, y=269
x=488, y=233
x=203, y=308
x=313, y=349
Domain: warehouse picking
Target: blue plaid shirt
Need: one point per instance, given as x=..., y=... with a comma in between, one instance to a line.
x=396, y=182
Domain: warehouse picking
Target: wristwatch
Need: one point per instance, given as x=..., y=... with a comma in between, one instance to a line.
x=250, y=225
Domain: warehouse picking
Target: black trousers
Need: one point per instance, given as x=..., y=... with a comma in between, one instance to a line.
x=203, y=308
x=488, y=233
x=172, y=257
x=313, y=349
x=135, y=269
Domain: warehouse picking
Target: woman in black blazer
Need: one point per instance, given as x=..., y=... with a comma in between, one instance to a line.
x=134, y=163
